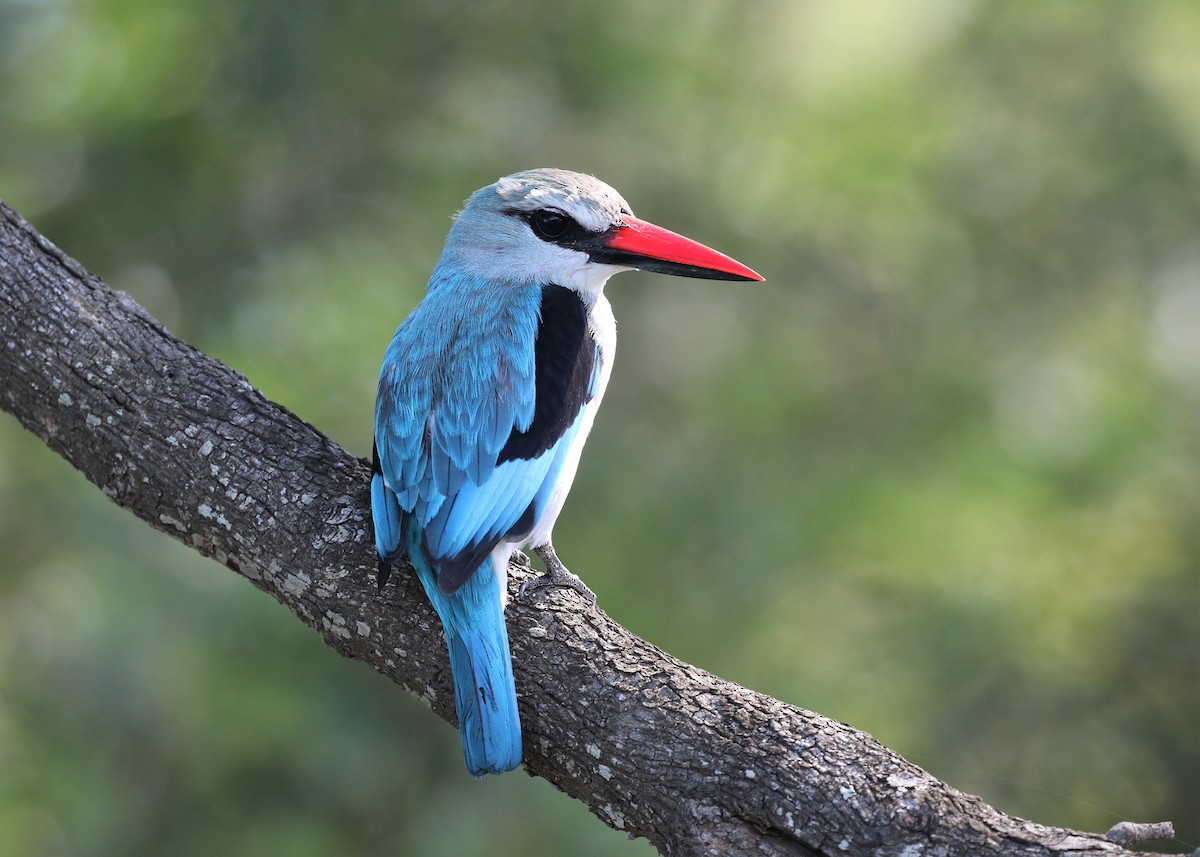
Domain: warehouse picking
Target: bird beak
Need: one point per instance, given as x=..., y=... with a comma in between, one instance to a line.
x=638, y=244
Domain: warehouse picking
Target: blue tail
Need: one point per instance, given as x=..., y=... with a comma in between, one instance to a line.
x=484, y=692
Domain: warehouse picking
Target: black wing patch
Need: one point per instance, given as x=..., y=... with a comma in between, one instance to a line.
x=564, y=363
x=565, y=357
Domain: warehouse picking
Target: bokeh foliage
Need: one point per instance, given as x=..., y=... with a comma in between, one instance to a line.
x=937, y=477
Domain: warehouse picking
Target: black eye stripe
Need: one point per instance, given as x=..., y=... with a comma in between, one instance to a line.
x=554, y=226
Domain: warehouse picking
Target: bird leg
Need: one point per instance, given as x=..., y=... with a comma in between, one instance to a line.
x=556, y=575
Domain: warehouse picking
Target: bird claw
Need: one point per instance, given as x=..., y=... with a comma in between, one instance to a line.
x=534, y=586
x=556, y=576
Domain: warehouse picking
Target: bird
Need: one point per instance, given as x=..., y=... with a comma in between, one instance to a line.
x=486, y=395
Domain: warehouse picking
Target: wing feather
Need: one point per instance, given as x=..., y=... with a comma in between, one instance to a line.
x=472, y=424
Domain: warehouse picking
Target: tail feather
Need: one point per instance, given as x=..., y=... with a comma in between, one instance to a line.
x=485, y=694
x=386, y=516
x=486, y=701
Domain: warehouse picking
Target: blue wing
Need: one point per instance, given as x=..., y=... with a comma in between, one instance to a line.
x=477, y=408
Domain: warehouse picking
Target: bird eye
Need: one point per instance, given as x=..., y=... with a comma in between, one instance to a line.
x=550, y=225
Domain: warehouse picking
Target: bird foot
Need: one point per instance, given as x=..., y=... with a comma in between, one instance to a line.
x=556, y=576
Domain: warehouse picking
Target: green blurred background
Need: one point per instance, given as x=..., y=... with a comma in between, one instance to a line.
x=937, y=477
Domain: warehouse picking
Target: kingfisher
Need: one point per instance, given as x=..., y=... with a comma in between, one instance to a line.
x=486, y=395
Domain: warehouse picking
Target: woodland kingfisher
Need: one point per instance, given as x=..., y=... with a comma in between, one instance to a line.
x=486, y=395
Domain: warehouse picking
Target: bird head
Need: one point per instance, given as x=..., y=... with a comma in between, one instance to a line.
x=573, y=230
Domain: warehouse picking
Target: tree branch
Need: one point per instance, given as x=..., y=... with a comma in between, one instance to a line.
x=654, y=746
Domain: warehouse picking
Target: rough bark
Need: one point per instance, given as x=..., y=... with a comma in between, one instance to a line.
x=654, y=746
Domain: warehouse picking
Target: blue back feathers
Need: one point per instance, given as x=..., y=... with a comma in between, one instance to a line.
x=481, y=393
